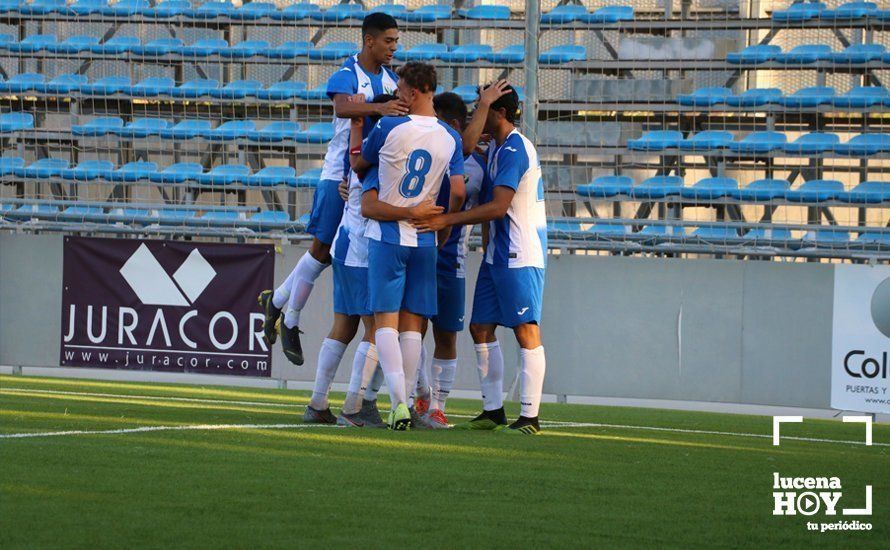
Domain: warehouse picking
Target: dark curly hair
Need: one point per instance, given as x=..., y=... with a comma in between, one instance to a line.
x=421, y=76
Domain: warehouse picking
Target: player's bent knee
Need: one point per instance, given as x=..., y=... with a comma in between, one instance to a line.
x=482, y=333
x=320, y=251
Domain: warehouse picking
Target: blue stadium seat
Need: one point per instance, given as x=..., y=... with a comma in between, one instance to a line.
x=43, y=7
x=395, y=10
x=62, y=84
x=233, y=129
x=807, y=97
x=8, y=165
x=871, y=192
x=275, y=132
x=333, y=50
x=87, y=7
x=116, y=45
x=486, y=13
x=339, y=12
x=22, y=83
x=296, y=12
x=803, y=11
x=427, y=14
x=43, y=168
x=763, y=190
x=195, y=88
x=804, y=54
x=319, y=92
x=608, y=229
x=13, y=122
x=565, y=13
x=7, y=6
x=248, y=48
x=203, y=48
x=508, y=54
x=815, y=191
x=177, y=173
x=88, y=170
x=133, y=171
x=770, y=234
x=176, y=216
x=97, y=127
x=754, y=55
x=151, y=87
x=422, y=52
x=157, y=48
x=656, y=141
x=466, y=53
x=755, y=97
x=309, y=178
x=253, y=11
x=658, y=187
x=39, y=209
x=826, y=237
x=864, y=145
x=126, y=8
x=468, y=92
x=563, y=229
x=32, y=44
x=759, y=142
x=272, y=176
x=858, y=53
x=320, y=132
x=709, y=140
x=270, y=218
x=130, y=214
x=609, y=14
x=815, y=143
x=606, y=186
x=210, y=10
x=282, y=90
x=74, y=44
x=716, y=234
x=224, y=174
x=237, y=89
x=850, y=10
x=710, y=189
x=222, y=216
x=862, y=97
x=143, y=127
x=81, y=212
x=303, y=220
x=168, y=8
x=187, y=129
x=566, y=53
x=106, y=86
x=663, y=231
x=288, y=50
x=704, y=97
x=874, y=238
x=5, y=40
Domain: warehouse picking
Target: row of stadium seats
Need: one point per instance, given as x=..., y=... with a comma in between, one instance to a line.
x=320, y=132
x=807, y=54
x=268, y=219
x=764, y=190
x=815, y=143
x=13, y=122
x=859, y=97
x=807, y=11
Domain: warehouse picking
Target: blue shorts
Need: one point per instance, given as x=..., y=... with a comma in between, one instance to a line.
x=508, y=296
x=327, y=209
x=351, y=289
x=452, y=296
x=402, y=278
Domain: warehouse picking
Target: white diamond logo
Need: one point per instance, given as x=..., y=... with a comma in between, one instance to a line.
x=194, y=275
x=154, y=286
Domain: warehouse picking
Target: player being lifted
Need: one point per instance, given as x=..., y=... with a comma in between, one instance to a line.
x=509, y=290
x=414, y=154
x=365, y=73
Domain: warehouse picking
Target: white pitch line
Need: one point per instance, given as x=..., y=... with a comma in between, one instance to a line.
x=165, y=429
x=547, y=424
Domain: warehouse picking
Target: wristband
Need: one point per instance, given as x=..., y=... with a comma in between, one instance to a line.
x=356, y=150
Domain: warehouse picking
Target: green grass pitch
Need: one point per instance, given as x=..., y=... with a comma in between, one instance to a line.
x=602, y=477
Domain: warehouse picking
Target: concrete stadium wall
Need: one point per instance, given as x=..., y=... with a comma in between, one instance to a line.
x=652, y=328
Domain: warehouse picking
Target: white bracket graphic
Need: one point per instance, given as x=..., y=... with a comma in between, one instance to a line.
x=777, y=421
x=861, y=511
x=867, y=420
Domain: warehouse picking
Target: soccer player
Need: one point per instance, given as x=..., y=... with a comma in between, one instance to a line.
x=365, y=73
x=414, y=155
x=509, y=291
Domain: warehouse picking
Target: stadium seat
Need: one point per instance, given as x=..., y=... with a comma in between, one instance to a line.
x=150, y=87
x=390, y=9
x=295, y=12
x=320, y=132
x=563, y=54
x=202, y=48
x=862, y=97
x=168, y=8
x=222, y=216
x=864, y=145
x=8, y=165
x=43, y=168
x=826, y=237
x=422, y=52
x=606, y=186
x=288, y=50
x=807, y=97
x=32, y=44
x=815, y=191
x=12, y=122
x=43, y=7
x=716, y=234
x=133, y=171
x=97, y=127
x=176, y=216
x=282, y=90
x=270, y=218
x=709, y=140
x=142, y=128
x=656, y=141
x=320, y=92
x=177, y=173
x=22, y=83
x=804, y=54
x=755, y=97
x=662, y=231
x=815, y=143
x=86, y=7
x=224, y=174
x=309, y=178
x=109, y=85
x=130, y=214
x=272, y=176
x=238, y=89
x=609, y=14
x=157, y=48
x=874, y=238
x=242, y=50
x=802, y=11
x=195, y=88
x=466, y=53
x=253, y=11
x=339, y=12
x=768, y=234
x=74, y=44
x=563, y=229
x=126, y=8
x=486, y=13
x=116, y=45
x=710, y=189
x=468, y=92
x=80, y=212
x=608, y=229
x=704, y=97
x=187, y=129
x=8, y=6
x=233, y=129
x=62, y=84
x=508, y=54
x=658, y=187
x=858, y=53
x=870, y=192
x=210, y=10
x=88, y=170
x=333, y=50
x=426, y=14
x=275, y=132
x=759, y=142
x=44, y=209
x=565, y=13
x=850, y=10
x=754, y=55
x=762, y=190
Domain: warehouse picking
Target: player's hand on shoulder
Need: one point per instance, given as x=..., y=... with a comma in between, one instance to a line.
x=396, y=107
x=425, y=210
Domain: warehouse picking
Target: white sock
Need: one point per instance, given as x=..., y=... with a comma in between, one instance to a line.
x=308, y=269
x=390, y=354
x=490, y=363
x=411, y=344
x=442, y=374
x=357, y=384
x=282, y=293
x=531, y=380
x=422, y=388
x=376, y=381
x=328, y=360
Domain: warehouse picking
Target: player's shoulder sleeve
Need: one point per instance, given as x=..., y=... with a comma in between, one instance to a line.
x=512, y=163
x=392, y=74
x=371, y=180
x=377, y=136
x=456, y=163
x=344, y=81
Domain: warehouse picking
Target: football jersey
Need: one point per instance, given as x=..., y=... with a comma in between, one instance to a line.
x=413, y=154
x=350, y=245
x=519, y=239
x=351, y=79
x=453, y=254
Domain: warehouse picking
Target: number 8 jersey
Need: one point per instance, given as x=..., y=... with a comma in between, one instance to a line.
x=414, y=154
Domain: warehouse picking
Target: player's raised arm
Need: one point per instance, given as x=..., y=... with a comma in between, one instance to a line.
x=345, y=107
x=487, y=95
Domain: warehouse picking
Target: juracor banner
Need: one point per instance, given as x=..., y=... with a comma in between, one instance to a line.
x=165, y=306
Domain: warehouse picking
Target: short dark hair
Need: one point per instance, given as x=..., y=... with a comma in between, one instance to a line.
x=376, y=23
x=509, y=102
x=449, y=106
x=380, y=98
x=421, y=76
